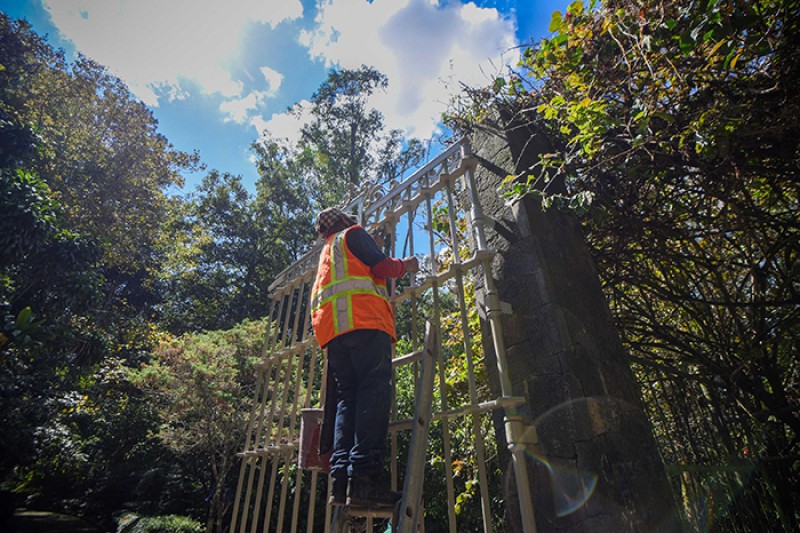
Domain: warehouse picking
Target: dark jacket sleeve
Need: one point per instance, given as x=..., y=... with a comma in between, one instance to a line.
x=365, y=249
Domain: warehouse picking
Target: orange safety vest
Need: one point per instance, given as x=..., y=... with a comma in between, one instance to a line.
x=346, y=296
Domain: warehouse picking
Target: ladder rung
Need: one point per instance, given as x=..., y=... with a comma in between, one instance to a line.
x=269, y=450
x=370, y=512
x=408, y=358
x=296, y=348
x=401, y=425
x=477, y=258
x=499, y=403
x=407, y=424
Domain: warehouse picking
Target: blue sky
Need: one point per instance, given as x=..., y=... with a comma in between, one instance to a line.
x=219, y=74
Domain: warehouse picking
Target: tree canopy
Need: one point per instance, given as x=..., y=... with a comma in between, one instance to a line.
x=346, y=143
x=110, y=280
x=228, y=244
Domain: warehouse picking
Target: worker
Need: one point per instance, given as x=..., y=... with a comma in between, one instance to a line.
x=353, y=320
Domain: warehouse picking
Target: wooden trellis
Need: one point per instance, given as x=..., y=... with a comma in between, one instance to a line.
x=436, y=215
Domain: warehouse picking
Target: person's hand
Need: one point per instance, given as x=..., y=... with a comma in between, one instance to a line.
x=377, y=236
x=411, y=264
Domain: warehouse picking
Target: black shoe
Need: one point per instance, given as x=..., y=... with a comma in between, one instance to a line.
x=371, y=491
x=338, y=494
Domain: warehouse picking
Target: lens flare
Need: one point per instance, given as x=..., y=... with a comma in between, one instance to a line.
x=572, y=487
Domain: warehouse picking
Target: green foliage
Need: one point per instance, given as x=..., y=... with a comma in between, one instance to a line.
x=28, y=212
x=132, y=523
x=673, y=131
x=201, y=386
x=82, y=174
x=101, y=150
x=31, y=233
x=225, y=247
x=47, y=280
x=345, y=143
x=23, y=330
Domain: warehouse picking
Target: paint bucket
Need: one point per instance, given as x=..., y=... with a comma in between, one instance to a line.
x=310, y=428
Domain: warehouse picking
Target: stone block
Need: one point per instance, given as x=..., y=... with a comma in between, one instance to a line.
x=525, y=293
x=565, y=356
x=577, y=362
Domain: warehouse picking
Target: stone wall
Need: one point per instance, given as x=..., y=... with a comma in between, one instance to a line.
x=593, y=463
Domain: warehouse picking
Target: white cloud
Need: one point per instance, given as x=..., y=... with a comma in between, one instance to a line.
x=424, y=47
x=242, y=110
x=239, y=109
x=273, y=79
x=154, y=44
x=285, y=127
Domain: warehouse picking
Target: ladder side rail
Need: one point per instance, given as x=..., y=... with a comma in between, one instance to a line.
x=392, y=287
x=409, y=514
x=436, y=280
x=477, y=433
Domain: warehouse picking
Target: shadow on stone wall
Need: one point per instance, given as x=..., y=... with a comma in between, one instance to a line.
x=593, y=463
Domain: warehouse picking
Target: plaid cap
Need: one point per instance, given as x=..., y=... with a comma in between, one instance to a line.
x=333, y=219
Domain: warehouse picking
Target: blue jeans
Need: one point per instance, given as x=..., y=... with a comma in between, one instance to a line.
x=361, y=362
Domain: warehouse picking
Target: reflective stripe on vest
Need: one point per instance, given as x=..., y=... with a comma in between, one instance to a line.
x=342, y=287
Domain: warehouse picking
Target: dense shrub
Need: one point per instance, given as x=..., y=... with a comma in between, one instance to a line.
x=131, y=523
